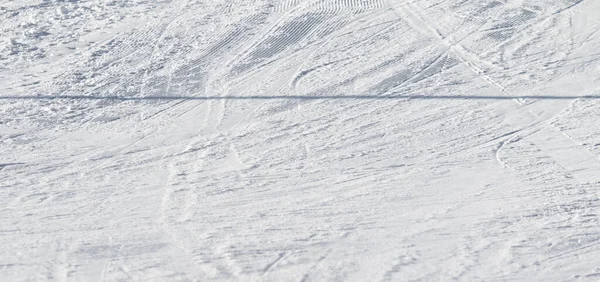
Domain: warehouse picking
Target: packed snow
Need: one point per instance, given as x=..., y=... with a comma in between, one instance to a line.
x=313, y=140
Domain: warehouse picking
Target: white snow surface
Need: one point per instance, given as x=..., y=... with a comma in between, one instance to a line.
x=313, y=140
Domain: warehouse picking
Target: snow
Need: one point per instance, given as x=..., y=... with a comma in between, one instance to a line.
x=319, y=140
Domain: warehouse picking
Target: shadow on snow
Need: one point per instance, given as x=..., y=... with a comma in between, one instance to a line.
x=299, y=97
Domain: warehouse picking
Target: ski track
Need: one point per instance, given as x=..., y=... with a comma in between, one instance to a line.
x=414, y=188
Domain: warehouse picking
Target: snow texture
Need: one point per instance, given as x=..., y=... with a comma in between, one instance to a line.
x=313, y=140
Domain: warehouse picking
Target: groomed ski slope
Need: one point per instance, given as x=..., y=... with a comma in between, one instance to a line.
x=313, y=140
